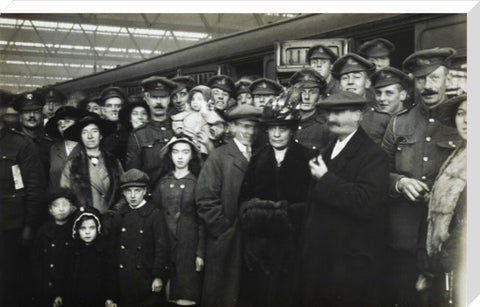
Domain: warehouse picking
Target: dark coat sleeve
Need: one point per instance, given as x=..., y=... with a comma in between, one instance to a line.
x=161, y=253
x=360, y=197
x=132, y=157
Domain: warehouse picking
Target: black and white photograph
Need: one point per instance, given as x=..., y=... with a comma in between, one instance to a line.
x=192, y=153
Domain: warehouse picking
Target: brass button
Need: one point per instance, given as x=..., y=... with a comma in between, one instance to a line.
x=299, y=127
x=425, y=159
x=53, y=245
x=51, y=265
x=431, y=120
x=121, y=266
x=141, y=231
x=171, y=185
x=182, y=186
x=424, y=177
x=122, y=246
x=124, y=229
x=428, y=139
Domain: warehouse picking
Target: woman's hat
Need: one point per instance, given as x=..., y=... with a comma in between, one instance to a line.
x=177, y=139
x=63, y=112
x=85, y=211
x=126, y=111
x=448, y=110
x=282, y=112
x=74, y=132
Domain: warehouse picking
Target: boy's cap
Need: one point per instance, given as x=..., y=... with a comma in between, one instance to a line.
x=134, y=178
x=244, y=111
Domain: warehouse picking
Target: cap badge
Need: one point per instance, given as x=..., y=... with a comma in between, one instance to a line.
x=221, y=81
x=352, y=61
x=321, y=50
x=29, y=96
x=423, y=61
x=264, y=85
x=307, y=77
x=50, y=93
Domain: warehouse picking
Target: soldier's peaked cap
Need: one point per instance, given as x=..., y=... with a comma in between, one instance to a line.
x=158, y=86
x=321, y=52
x=390, y=75
x=112, y=92
x=242, y=86
x=28, y=101
x=55, y=95
x=264, y=86
x=308, y=78
x=423, y=62
x=378, y=47
x=183, y=82
x=352, y=62
x=223, y=82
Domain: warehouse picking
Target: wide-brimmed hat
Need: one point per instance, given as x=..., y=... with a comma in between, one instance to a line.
x=448, y=110
x=282, y=112
x=51, y=128
x=74, y=132
x=126, y=111
x=177, y=139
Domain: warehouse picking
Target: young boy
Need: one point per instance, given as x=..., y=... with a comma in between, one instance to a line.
x=141, y=244
x=51, y=248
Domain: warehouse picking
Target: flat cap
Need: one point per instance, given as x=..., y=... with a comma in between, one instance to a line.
x=388, y=76
x=448, y=110
x=134, y=178
x=352, y=62
x=308, y=78
x=423, y=62
x=54, y=95
x=321, y=52
x=378, y=47
x=158, y=86
x=111, y=92
x=343, y=100
x=244, y=111
x=28, y=101
x=182, y=82
x=223, y=82
x=242, y=86
x=264, y=86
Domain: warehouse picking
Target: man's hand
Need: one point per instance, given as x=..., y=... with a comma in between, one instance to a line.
x=157, y=285
x=199, y=264
x=413, y=189
x=318, y=168
x=57, y=302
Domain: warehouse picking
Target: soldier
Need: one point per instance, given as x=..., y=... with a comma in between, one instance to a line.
x=217, y=192
x=22, y=184
x=180, y=93
x=312, y=131
x=222, y=89
x=29, y=105
x=145, y=142
x=377, y=51
x=393, y=92
x=54, y=99
x=321, y=58
x=417, y=144
x=112, y=100
x=243, y=95
x=353, y=72
x=263, y=90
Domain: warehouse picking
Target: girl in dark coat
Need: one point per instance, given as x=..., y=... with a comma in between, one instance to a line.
x=175, y=194
x=92, y=277
x=272, y=202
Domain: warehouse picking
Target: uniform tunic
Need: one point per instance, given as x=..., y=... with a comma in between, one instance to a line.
x=176, y=197
x=141, y=244
x=144, y=144
x=375, y=123
x=312, y=133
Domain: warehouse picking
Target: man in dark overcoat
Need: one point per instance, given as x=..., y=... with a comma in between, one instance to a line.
x=342, y=242
x=217, y=194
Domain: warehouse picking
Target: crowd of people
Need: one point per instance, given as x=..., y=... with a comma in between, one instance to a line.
x=345, y=188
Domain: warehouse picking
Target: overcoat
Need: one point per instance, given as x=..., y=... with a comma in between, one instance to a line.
x=344, y=226
x=216, y=194
x=50, y=253
x=270, y=233
x=141, y=246
x=58, y=159
x=176, y=198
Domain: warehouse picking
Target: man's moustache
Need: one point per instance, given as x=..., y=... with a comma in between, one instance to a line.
x=428, y=92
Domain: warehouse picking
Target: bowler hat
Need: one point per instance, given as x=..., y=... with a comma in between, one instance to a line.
x=423, y=62
x=321, y=52
x=378, y=47
x=448, y=110
x=343, y=100
x=74, y=132
x=134, y=178
x=352, y=62
x=223, y=82
x=51, y=128
x=158, y=86
x=28, y=101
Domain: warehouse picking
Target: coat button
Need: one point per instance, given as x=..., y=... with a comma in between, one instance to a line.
x=149, y=146
x=165, y=140
x=53, y=245
x=451, y=143
x=141, y=231
x=139, y=248
x=138, y=267
x=51, y=265
x=299, y=127
x=399, y=148
x=50, y=284
x=121, y=266
x=428, y=139
x=432, y=120
x=424, y=177
x=296, y=140
x=425, y=159
x=182, y=186
x=122, y=246
x=171, y=185
x=177, y=215
x=314, y=147
x=163, y=128
x=66, y=243
x=124, y=229
x=4, y=157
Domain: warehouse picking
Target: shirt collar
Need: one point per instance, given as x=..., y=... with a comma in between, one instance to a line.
x=140, y=205
x=240, y=146
x=345, y=141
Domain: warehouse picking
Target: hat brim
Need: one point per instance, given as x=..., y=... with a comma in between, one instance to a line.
x=222, y=87
x=159, y=93
x=279, y=122
x=425, y=70
x=174, y=140
x=133, y=184
x=448, y=110
x=341, y=105
x=51, y=127
x=74, y=133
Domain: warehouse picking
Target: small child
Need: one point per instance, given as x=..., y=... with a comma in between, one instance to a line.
x=92, y=265
x=141, y=244
x=175, y=193
x=51, y=248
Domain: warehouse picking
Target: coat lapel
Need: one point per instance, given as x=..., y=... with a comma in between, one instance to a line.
x=238, y=159
x=349, y=151
x=59, y=149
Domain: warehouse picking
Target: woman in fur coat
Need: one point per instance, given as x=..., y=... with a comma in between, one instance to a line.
x=442, y=253
x=272, y=203
x=93, y=174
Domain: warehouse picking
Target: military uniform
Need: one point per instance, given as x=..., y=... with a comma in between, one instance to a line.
x=324, y=52
x=312, y=132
